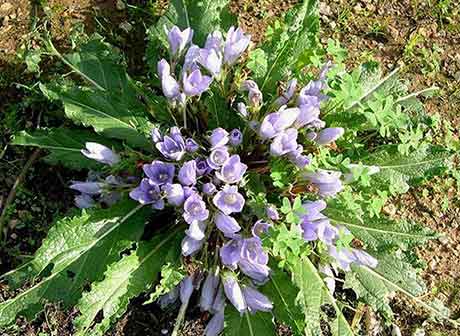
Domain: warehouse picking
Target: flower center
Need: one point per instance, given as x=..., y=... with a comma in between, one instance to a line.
x=230, y=199
x=163, y=176
x=195, y=209
x=219, y=158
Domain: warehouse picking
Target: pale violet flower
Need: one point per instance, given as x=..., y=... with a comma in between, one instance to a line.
x=187, y=173
x=84, y=201
x=178, y=39
x=260, y=228
x=195, y=209
x=90, y=188
x=233, y=170
x=233, y=292
x=196, y=230
x=284, y=142
x=235, y=45
x=218, y=138
x=229, y=200
x=100, y=153
x=276, y=122
x=255, y=95
x=236, y=137
x=218, y=157
x=288, y=94
x=255, y=300
x=226, y=224
x=211, y=61
x=159, y=172
x=195, y=83
x=328, y=135
x=209, y=291
x=148, y=193
x=328, y=182
x=216, y=325
x=174, y=193
x=215, y=41
x=190, y=246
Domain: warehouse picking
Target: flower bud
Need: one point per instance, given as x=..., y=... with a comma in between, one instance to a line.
x=233, y=292
x=100, y=153
x=178, y=39
x=90, y=188
x=209, y=290
x=255, y=300
x=186, y=289
x=215, y=325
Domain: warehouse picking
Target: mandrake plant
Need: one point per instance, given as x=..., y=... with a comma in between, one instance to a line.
x=246, y=181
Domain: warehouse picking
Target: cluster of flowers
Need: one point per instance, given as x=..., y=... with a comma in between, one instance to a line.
x=201, y=178
x=316, y=226
x=104, y=189
x=211, y=58
x=205, y=192
x=282, y=128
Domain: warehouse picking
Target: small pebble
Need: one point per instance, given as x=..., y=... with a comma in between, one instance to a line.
x=443, y=240
x=126, y=26
x=6, y=7
x=120, y=5
x=395, y=331
x=419, y=332
x=164, y=331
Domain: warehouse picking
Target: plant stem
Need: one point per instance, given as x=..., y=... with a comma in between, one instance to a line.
x=180, y=318
x=16, y=184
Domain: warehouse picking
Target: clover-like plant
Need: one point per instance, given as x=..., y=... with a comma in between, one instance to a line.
x=236, y=175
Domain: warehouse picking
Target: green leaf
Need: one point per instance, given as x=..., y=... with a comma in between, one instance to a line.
x=257, y=63
x=207, y=16
x=421, y=163
x=392, y=274
x=305, y=276
x=371, y=83
x=204, y=16
x=283, y=293
x=64, y=145
x=288, y=43
x=378, y=233
x=111, y=105
x=110, y=114
x=76, y=251
x=220, y=114
x=313, y=293
x=100, y=65
x=248, y=324
x=125, y=279
x=171, y=275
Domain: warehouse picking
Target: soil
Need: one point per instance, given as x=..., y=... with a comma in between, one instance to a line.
x=421, y=36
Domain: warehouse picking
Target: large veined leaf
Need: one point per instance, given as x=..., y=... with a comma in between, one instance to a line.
x=125, y=279
x=248, y=324
x=220, y=115
x=392, y=274
x=379, y=233
x=109, y=114
x=207, y=16
x=313, y=293
x=64, y=145
x=305, y=277
x=204, y=16
x=398, y=168
x=283, y=293
x=285, y=47
x=76, y=251
x=111, y=104
x=99, y=64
